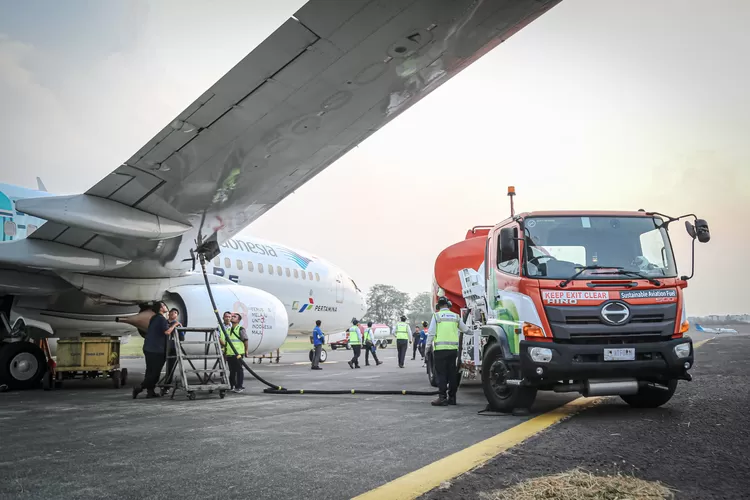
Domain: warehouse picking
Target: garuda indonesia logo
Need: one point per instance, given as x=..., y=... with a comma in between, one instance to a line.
x=305, y=307
x=301, y=261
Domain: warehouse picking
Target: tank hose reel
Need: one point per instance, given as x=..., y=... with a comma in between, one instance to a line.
x=276, y=389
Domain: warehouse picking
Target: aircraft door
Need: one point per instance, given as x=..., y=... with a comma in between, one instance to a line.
x=339, y=289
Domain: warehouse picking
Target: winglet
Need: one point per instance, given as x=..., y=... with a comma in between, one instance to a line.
x=40, y=185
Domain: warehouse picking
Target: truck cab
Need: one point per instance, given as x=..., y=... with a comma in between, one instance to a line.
x=586, y=302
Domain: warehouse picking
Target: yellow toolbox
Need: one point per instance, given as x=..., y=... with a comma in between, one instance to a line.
x=90, y=357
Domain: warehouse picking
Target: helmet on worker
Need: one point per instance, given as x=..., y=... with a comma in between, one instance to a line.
x=443, y=302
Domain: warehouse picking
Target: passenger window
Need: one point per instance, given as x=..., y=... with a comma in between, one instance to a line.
x=260, y=268
x=9, y=228
x=270, y=270
x=288, y=273
x=239, y=265
x=304, y=275
x=296, y=274
x=507, y=251
x=217, y=262
x=227, y=263
x=309, y=275
x=279, y=271
x=250, y=266
x=317, y=277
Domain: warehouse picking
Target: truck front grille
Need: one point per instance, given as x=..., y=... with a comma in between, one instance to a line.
x=583, y=324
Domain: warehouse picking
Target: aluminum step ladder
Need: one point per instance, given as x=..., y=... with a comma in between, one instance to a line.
x=212, y=358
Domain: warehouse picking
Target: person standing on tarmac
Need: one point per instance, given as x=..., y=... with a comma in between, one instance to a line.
x=355, y=342
x=172, y=352
x=443, y=330
x=238, y=337
x=422, y=338
x=318, y=341
x=415, y=342
x=401, y=331
x=370, y=346
x=155, y=349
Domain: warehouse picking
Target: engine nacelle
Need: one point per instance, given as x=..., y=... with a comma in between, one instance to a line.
x=263, y=316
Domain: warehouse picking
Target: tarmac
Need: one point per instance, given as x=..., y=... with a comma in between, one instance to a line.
x=89, y=440
x=697, y=444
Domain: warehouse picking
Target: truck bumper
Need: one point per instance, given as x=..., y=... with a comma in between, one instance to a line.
x=653, y=361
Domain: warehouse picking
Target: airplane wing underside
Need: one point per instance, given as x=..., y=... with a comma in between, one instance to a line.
x=324, y=81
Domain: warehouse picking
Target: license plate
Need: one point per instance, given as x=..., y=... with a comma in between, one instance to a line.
x=619, y=354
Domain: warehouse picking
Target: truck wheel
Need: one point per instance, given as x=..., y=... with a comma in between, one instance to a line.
x=312, y=354
x=348, y=347
x=502, y=397
x=650, y=397
x=22, y=365
x=383, y=344
x=334, y=347
x=431, y=369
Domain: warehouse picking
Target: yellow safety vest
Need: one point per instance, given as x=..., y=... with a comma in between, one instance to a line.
x=236, y=339
x=354, y=336
x=368, y=335
x=402, y=331
x=446, y=333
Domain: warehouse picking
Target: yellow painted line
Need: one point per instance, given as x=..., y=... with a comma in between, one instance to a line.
x=428, y=478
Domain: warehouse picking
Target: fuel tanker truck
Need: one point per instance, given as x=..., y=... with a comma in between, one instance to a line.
x=571, y=301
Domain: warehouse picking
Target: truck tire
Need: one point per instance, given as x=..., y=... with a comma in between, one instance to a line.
x=649, y=397
x=431, y=377
x=503, y=398
x=22, y=365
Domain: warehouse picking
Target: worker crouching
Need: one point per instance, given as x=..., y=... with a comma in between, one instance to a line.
x=444, y=329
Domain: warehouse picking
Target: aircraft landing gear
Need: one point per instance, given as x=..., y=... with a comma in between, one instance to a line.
x=22, y=365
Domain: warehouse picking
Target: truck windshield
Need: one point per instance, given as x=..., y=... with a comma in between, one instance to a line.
x=557, y=247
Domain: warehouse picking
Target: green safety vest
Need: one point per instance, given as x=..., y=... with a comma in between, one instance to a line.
x=402, y=331
x=368, y=335
x=354, y=336
x=446, y=333
x=236, y=339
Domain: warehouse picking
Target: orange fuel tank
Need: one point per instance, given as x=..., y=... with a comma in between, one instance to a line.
x=466, y=253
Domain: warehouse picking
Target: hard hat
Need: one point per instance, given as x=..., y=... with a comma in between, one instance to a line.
x=443, y=301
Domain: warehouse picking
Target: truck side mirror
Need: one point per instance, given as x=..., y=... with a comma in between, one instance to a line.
x=701, y=230
x=690, y=229
x=508, y=242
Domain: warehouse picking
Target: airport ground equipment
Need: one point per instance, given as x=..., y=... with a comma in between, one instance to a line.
x=212, y=360
x=323, y=353
x=571, y=301
x=269, y=356
x=86, y=357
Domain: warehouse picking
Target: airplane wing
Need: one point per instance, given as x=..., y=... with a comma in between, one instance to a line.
x=324, y=81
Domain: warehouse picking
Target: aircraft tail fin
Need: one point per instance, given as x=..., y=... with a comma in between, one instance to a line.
x=40, y=184
x=699, y=327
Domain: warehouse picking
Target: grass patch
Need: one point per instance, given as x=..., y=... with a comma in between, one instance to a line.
x=134, y=347
x=581, y=485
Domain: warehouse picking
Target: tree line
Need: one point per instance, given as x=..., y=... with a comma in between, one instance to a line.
x=385, y=304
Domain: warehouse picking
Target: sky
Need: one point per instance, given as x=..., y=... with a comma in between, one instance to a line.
x=618, y=104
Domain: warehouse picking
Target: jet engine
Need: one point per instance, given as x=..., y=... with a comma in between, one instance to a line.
x=263, y=316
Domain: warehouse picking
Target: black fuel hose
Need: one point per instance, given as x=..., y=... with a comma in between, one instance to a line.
x=277, y=389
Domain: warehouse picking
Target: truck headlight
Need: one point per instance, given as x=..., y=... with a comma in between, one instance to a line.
x=540, y=354
x=682, y=350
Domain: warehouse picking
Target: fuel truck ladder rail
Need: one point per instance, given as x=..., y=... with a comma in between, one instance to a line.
x=177, y=378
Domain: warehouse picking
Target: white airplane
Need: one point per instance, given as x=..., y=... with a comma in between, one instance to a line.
x=330, y=76
x=714, y=330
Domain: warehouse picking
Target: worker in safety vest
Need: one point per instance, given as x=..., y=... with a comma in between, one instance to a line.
x=238, y=338
x=402, y=332
x=370, y=346
x=443, y=330
x=355, y=342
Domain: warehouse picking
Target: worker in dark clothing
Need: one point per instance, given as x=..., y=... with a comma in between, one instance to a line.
x=444, y=330
x=155, y=349
x=422, y=338
x=238, y=338
x=415, y=342
x=318, y=340
x=370, y=346
x=174, y=314
x=355, y=341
